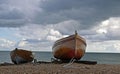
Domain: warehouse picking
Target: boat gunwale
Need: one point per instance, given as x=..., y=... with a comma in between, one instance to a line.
x=69, y=38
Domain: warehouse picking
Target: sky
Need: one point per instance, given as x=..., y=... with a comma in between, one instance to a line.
x=36, y=24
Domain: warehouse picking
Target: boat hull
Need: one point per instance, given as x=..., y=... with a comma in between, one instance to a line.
x=19, y=56
x=70, y=47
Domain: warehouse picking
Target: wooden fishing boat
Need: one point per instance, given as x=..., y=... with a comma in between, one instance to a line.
x=69, y=47
x=19, y=56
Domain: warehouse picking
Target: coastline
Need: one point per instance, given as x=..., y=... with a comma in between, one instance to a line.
x=62, y=68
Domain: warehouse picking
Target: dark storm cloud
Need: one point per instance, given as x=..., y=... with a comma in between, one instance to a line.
x=11, y=16
x=87, y=12
x=12, y=23
x=3, y=1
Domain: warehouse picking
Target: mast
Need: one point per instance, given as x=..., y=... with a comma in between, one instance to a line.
x=76, y=32
x=75, y=43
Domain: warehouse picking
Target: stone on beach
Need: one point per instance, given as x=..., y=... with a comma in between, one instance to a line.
x=51, y=68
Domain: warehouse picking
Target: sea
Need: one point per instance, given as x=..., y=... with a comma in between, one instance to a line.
x=101, y=58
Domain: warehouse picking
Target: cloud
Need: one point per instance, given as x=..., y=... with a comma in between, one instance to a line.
x=107, y=46
x=17, y=13
x=27, y=7
x=35, y=45
x=37, y=37
x=54, y=35
x=6, y=44
x=110, y=28
x=57, y=11
x=38, y=23
x=35, y=31
x=67, y=27
x=11, y=17
x=104, y=37
x=42, y=37
x=105, y=30
x=88, y=13
x=44, y=12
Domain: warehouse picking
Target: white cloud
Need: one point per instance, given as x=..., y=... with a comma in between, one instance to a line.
x=33, y=31
x=6, y=44
x=38, y=23
x=52, y=38
x=38, y=37
x=106, y=38
x=109, y=28
x=102, y=38
x=54, y=35
x=35, y=45
x=106, y=46
x=22, y=43
x=117, y=46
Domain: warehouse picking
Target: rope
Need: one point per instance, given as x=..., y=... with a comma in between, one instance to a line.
x=70, y=63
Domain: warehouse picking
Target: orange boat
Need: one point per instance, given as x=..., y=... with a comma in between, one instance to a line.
x=19, y=56
x=69, y=47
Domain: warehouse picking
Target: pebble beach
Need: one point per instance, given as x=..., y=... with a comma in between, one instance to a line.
x=64, y=68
